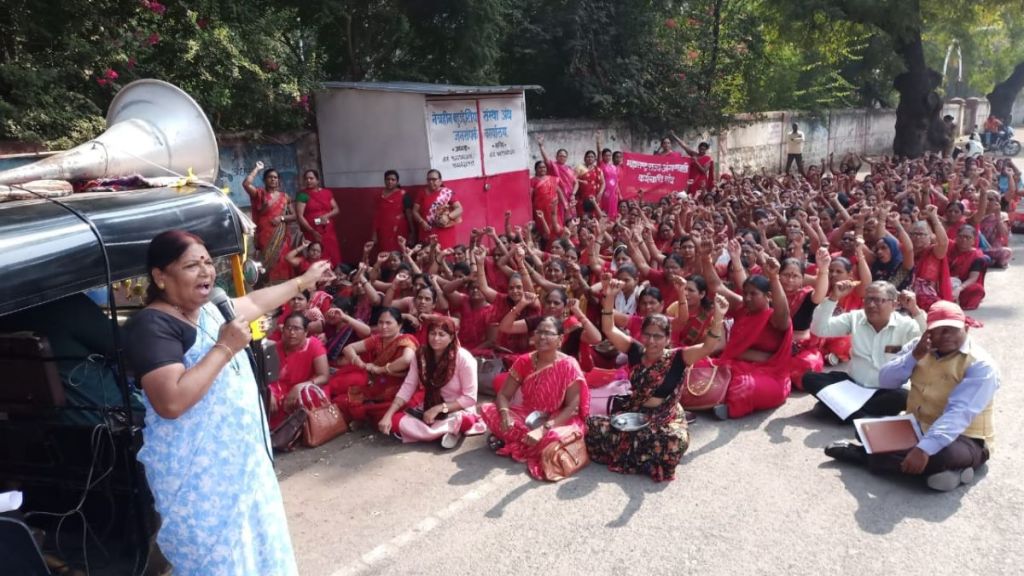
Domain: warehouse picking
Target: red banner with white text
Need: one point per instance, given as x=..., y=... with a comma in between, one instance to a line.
x=655, y=175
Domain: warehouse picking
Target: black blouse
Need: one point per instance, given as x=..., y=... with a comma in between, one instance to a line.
x=673, y=377
x=156, y=339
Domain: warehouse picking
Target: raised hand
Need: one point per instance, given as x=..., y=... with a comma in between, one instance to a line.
x=923, y=347
x=843, y=288
x=822, y=258
x=771, y=268
x=721, y=307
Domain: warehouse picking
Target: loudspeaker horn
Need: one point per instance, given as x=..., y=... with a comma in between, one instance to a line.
x=154, y=129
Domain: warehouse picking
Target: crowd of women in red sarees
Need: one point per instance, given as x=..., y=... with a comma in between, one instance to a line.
x=625, y=295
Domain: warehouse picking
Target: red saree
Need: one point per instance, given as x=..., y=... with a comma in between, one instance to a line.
x=590, y=182
x=807, y=355
x=960, y=267
x=542, y=390
x=272, y=239
x=389, y=221
x=431, y=205
x=296, y=367
x=318, y=203
x=757, y=385
x=361, y=396
x=931, y=281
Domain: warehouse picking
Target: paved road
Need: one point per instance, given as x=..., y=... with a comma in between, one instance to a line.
x=752, y=496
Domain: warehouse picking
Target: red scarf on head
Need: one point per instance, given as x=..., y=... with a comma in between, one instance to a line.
x=437, y=370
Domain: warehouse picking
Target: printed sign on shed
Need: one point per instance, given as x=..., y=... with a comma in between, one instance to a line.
x=453, y=130
x=504, y=130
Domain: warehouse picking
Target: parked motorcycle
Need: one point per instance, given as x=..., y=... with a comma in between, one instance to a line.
x=1004, y=142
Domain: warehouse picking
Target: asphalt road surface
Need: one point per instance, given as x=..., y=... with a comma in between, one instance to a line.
x=752, y=496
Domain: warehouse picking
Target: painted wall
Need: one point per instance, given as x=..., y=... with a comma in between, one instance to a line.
x=239, y=154
x=751, y=142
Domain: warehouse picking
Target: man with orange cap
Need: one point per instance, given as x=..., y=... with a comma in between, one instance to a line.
x=952, y=384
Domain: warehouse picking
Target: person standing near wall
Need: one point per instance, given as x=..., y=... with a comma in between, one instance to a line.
x=795, y=149
x=390, y=220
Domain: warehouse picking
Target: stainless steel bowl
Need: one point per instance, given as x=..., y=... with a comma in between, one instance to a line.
x=630, y=421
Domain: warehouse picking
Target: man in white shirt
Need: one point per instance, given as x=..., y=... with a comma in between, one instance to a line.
x=878, y=333
x=795, y=149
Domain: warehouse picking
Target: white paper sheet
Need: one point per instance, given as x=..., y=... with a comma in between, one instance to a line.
x=845, y=397
x=10, y=501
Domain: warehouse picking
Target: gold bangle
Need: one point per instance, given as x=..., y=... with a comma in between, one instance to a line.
x=298, y=284
x=226, y=349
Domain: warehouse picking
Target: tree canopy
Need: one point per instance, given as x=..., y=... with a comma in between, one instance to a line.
x=254, y=65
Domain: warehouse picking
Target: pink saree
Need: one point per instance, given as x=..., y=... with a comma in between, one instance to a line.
x=542, y=390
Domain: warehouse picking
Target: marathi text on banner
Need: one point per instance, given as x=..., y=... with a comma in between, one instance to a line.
x=655, y=175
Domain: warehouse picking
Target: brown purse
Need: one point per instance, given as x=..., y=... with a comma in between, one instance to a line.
x=563, y=458
x=323, y=423
x=287, y=434
x=705, y=386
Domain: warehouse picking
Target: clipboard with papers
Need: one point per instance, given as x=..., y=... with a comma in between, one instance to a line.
x=888, y=434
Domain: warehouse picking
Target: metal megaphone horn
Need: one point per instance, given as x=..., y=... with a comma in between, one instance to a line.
x=154, y=129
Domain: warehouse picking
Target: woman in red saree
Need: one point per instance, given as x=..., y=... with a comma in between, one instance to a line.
x=389, y=216
x=967, y=266
x=315, y=208
x=545, y=193
x=303, y=364
x=996, y=232
x=552, y=383
x=759, y=347
x=591, y=179
x=374, y=370
x=271, y=212
x=698, y=304
x=931, y=280
x=801, y=301
x=437, y=212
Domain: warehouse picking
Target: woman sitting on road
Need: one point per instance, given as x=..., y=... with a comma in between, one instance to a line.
x=303, y=364
x=656, y=374
x=552, y=383
x=759, y=346
x=439, y=392
x=374, y=371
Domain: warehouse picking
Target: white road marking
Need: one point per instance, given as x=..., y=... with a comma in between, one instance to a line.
x=391, y=548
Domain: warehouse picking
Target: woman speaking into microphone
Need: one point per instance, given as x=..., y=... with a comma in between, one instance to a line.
x=205, y=442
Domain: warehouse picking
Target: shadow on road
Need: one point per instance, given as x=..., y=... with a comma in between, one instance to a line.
x=635, y=487
x=476, y=463
x=823, y=427
x=885, y=501
x=726, y=432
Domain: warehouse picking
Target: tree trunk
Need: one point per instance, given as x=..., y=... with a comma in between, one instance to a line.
x=1005, y=93
x=919, y=126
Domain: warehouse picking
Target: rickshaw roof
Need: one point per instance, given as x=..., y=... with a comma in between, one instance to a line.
x=47, y=253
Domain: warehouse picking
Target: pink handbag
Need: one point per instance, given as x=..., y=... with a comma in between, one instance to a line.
x=705, y=386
